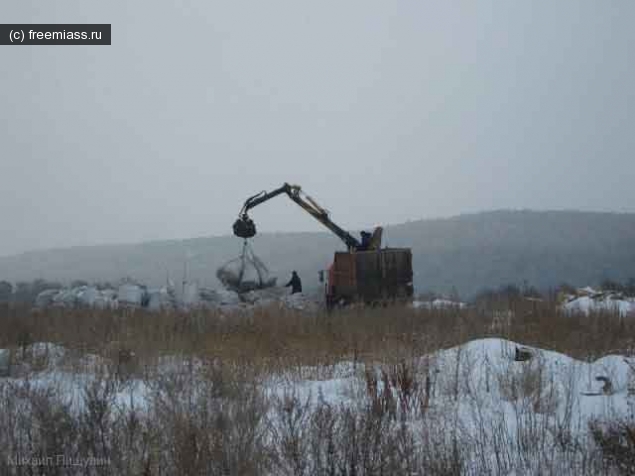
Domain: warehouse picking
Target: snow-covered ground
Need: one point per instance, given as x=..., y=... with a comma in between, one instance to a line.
x=478, y=383
x=492, y=395
x=508, y=416
x=484, y=372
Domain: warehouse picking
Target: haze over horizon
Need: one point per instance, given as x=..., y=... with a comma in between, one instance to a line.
x=383, y=112
x=318, y=230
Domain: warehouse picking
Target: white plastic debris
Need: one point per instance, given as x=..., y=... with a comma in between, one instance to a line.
x=191, y=296
x=130, y=294
x=65, y=298
x=45, y=298
x=606, y=303
x=89, y=297
x=161, y=299
x=299, y=302
x=219, y=296
x=265, y=296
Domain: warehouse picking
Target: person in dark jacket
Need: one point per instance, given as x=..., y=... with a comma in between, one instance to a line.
x=295, y=283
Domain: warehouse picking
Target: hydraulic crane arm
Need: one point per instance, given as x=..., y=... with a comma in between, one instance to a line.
x=244, y=227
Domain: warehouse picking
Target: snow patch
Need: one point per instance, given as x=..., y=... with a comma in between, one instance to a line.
x=438, y=304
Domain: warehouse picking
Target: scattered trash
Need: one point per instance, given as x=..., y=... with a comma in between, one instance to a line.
x=45, y=298
x=161, y=299
x=522, y=354
x=191, y=294
x=299, y=302
x=607, y=387
x=66, y=298
x=587, y=300
x=89, y=296
x=220, y=296
x=131, y=295
x=265, y=296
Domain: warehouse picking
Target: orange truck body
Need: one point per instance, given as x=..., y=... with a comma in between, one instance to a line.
x=374, y=276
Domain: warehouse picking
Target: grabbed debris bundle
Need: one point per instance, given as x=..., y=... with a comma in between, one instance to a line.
x=245, y=273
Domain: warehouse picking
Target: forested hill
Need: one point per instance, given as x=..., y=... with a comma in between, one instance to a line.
x=467, y=252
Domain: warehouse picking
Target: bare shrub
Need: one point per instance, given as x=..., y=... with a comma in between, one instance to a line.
x=520, y=383
x=95, y=418
x=291, y=433
x=616, y=442
x=209, y=430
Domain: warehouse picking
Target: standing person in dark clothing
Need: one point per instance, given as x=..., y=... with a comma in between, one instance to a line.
x=295, y=283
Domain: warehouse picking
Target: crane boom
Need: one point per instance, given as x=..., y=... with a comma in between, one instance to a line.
x=365, y=273
x=244, y=227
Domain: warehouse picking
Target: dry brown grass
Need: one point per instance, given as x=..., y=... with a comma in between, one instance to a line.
x=271, y=338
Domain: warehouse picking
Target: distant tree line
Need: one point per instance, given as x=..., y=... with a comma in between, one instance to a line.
x=6, y=290
x=514, y=292
x=25, y=292
x=628, y=287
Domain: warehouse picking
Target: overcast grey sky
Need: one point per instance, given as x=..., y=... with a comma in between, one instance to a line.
x=383, y=111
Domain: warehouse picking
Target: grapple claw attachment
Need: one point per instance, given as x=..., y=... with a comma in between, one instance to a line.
x=244, y=227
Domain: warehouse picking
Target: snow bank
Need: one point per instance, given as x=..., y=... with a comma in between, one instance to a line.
x=481, y=390
x=482, y=383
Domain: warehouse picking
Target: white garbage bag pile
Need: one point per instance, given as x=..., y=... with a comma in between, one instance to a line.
x=162, y=299
x=89, y=296
x=66, y=298
x=191, y=295
x=45, y=298
x=264, y=297
x=248, y=285
x=130, y=294
x=79, y=297
x=245, y=273
x=219, y=297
